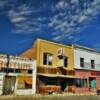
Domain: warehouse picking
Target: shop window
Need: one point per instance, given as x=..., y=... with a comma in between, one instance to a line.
x=78, y=82
x=92, y=64
x=82, y=62
x=24, y=83
x=47, y=59
x=84, y=82
x=81, y=83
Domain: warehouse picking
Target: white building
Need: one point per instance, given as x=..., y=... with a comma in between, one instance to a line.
x=87, y=68
x=17, y=75
x=86, y=58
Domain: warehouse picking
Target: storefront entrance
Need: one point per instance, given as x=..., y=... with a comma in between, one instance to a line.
x=63, y=84
x=88, y=81
x=56, y=84
x=92, y=83
x=9, y=84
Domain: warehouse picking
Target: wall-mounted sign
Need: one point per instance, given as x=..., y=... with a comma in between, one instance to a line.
x=95, y=73
x=20, y=63
x=14, y=63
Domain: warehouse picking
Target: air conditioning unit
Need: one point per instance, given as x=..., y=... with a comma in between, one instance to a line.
x=60, y=52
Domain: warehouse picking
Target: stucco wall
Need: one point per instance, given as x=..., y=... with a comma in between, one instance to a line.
x=50, y=47
x=88, y=56
x=42, y=46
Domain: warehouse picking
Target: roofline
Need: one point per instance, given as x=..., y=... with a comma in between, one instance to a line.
x=70, y=45
x=39, y=39
x=85, y=48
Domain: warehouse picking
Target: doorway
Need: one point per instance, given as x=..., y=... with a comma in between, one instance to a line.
x=9, y=85
x=92, y=82
x=63, y=85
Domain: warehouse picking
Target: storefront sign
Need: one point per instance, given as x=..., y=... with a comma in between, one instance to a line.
x=71, y=72
x=95, y=73
x=20, y=63
x=14, y=64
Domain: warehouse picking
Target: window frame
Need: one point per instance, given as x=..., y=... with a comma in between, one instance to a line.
x=92, y=63
x=46, y=59
x=65, y=64
x=82, y=62
x=81, y=83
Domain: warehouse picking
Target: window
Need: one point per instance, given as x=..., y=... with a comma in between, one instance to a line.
x=82, y=62
x=84, y=82
x=92, y=64
x=24, y=83
x=81, y=83
x=78, y=82
x=47, y=59
x=65, y=61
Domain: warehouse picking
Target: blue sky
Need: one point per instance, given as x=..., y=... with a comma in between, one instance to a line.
x=62, y=21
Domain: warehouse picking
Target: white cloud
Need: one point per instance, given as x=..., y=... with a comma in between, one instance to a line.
x=68, y=17
x=82, y=18
x=62, y=4
x=75, y=1
x=18, y=19
x=3, y=3
x=76, y=18
x=22, y=20
x=20, y=13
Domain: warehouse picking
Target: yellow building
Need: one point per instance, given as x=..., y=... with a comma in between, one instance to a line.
x=55, y=63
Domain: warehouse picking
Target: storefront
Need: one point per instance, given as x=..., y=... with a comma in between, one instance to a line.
x=55, y=64
x=55, y=79
x=88, y=81
x=17, y=75
x=55, y=84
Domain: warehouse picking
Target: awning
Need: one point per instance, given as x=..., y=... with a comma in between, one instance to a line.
x=55, y=75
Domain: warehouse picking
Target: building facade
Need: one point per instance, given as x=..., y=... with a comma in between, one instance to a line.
x=87, y=67
x=54, y=65
x=67, y=68
x=17, y=75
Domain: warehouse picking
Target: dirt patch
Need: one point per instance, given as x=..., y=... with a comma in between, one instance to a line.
x=51, y=97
